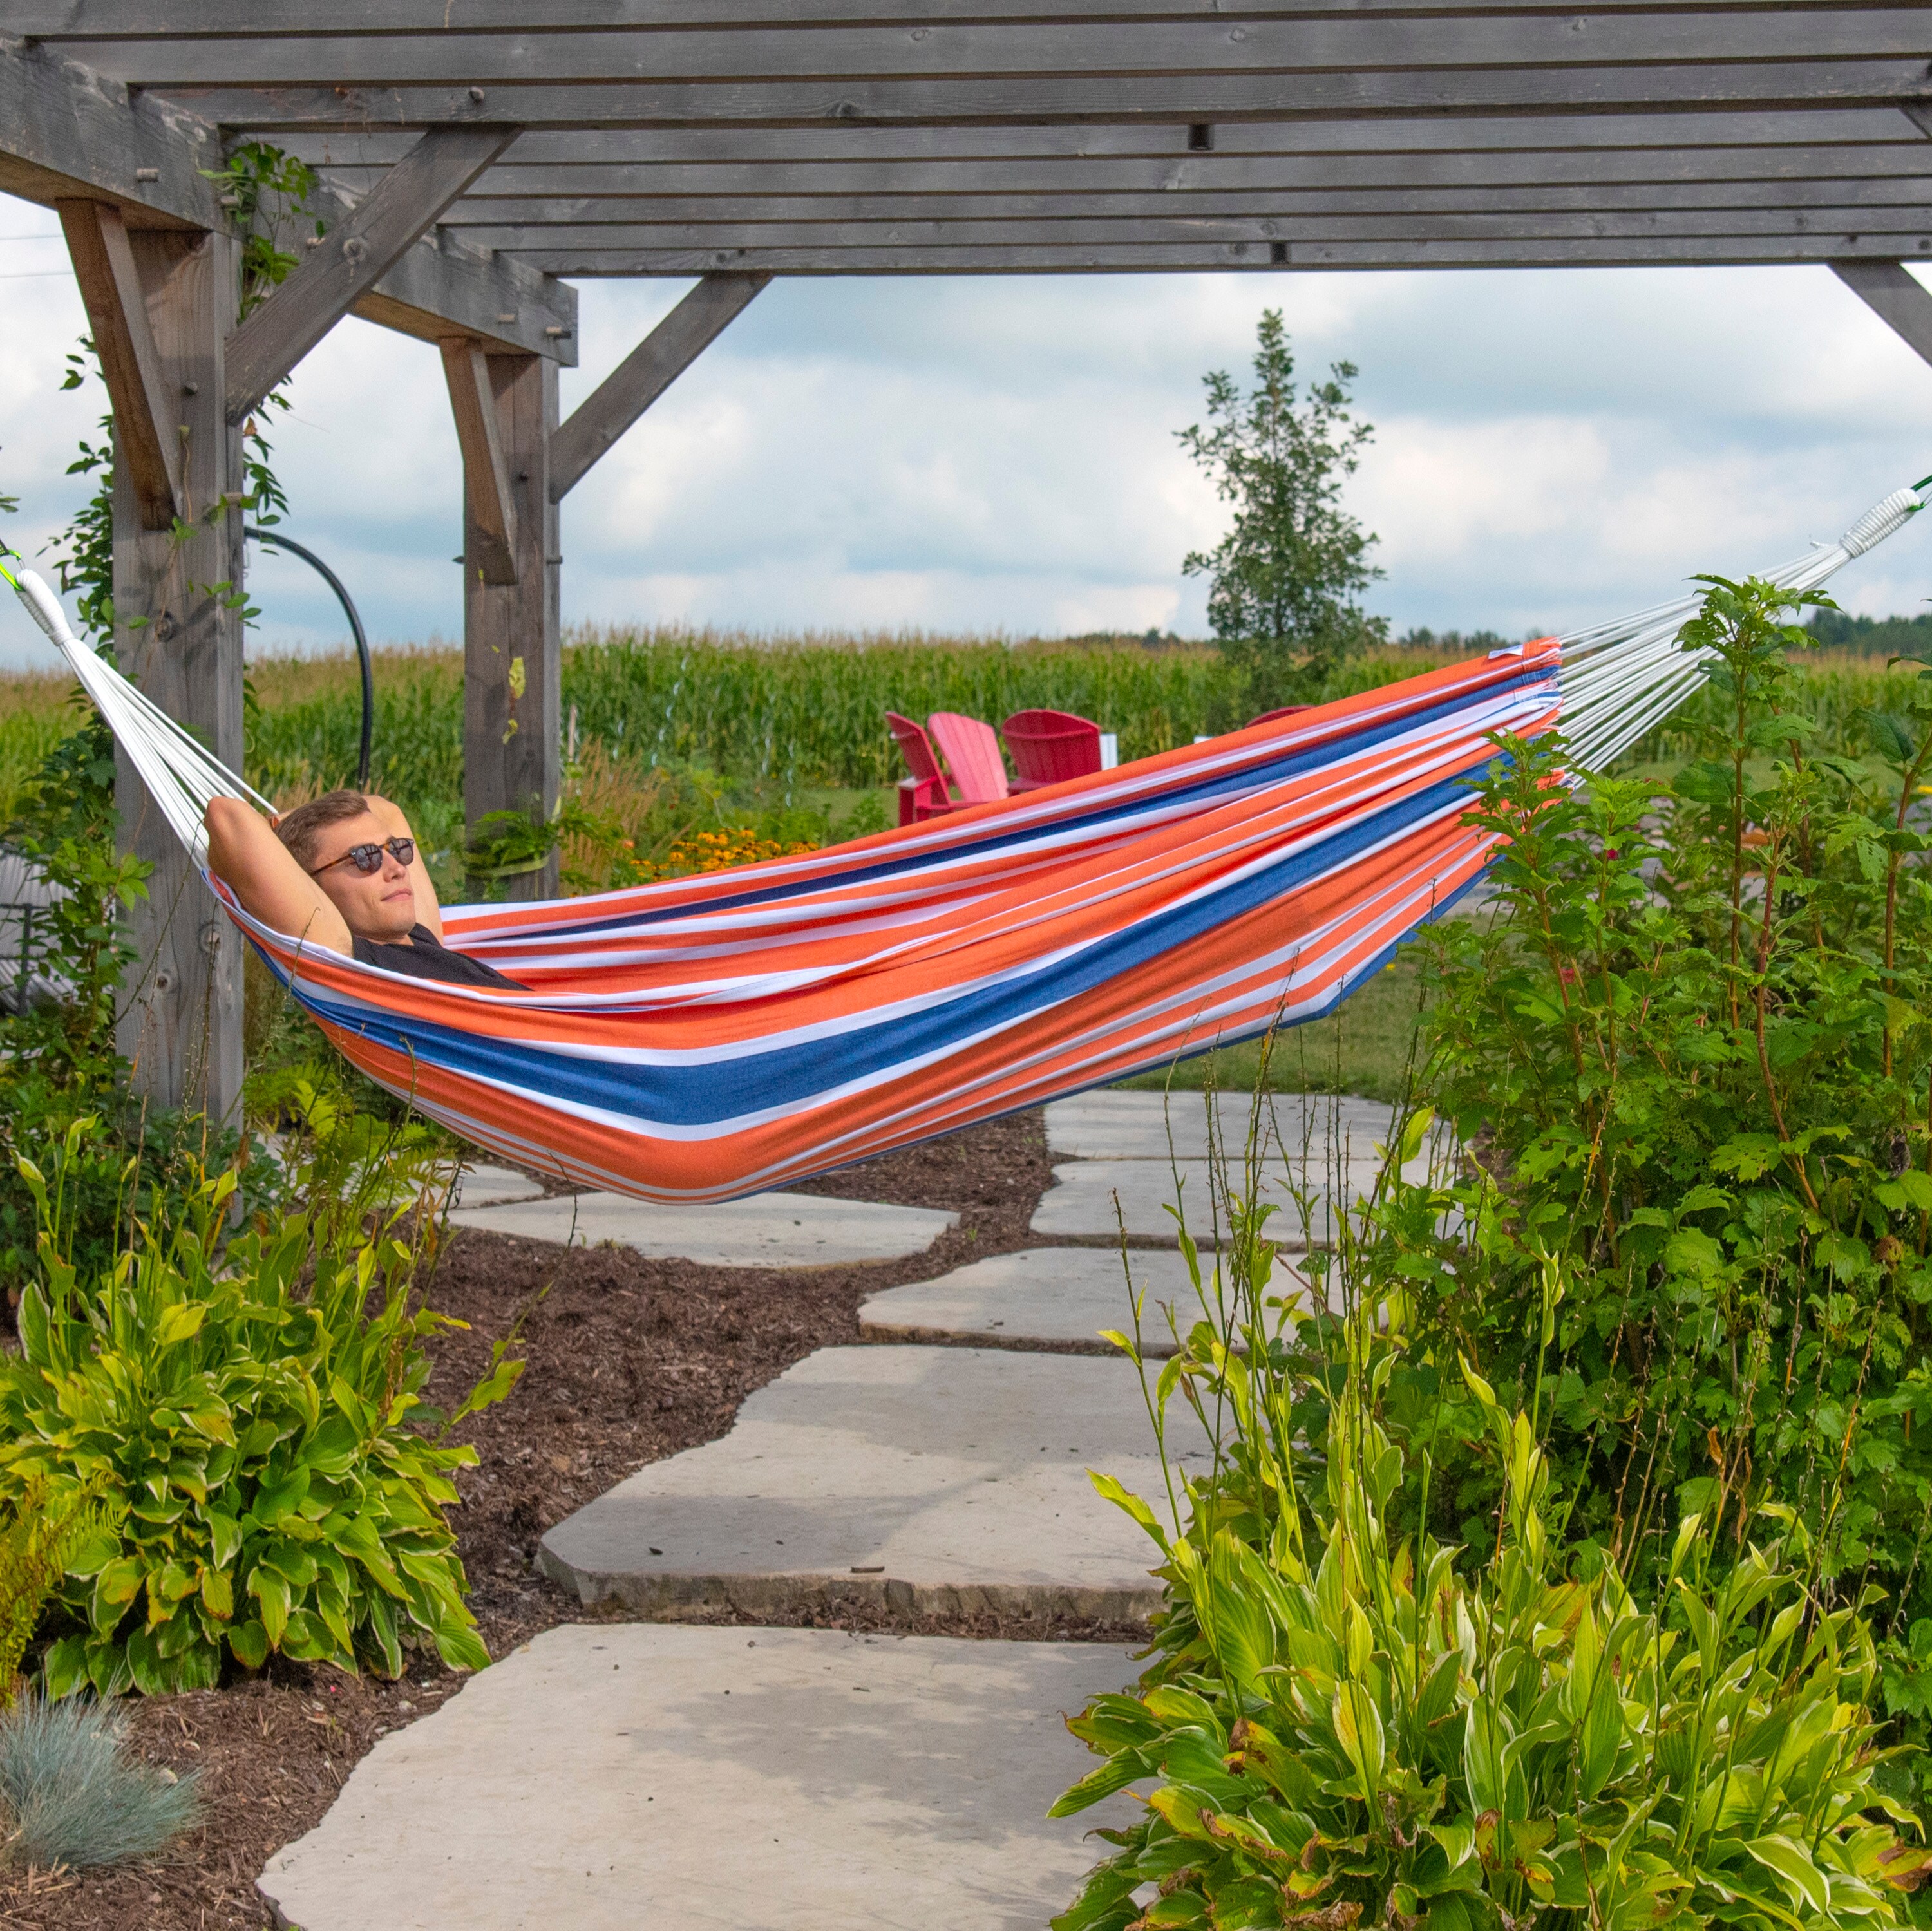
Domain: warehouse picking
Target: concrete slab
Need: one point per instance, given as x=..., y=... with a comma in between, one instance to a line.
x=770, y=1230
x=1081, y=1203
x=1109, y=1125
x=609, y=1776
x=943, y=1480
x=1057, y=1296
x=483, y=1185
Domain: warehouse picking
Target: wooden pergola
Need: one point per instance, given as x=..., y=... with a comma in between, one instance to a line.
x=474, y=153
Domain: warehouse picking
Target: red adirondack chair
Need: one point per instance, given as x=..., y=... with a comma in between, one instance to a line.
x=971, y=751
x=1051, y=746
x=923, y=794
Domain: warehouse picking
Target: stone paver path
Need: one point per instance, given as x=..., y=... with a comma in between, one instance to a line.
x=1081, y=1203
x=612, y=1774
x=611, y=1777
x=1108, y=1126
x=770, y=1230
x=1060, y=1297
x=936, y=1480
x=483, y=1185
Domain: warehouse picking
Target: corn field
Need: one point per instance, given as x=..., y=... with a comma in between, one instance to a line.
x=803, y=711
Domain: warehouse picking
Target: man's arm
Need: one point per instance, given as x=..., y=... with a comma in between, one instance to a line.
x=244, y=854
x=396, y=825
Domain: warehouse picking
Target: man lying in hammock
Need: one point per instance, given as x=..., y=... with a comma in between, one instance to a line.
x=342, y=872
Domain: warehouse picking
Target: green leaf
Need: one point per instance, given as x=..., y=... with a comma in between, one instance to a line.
x=272, y=1591
x=250, y=1642
x=64, y=1667
x=1792, y=1863
x=181, y=1322
x=1358, y=1726
x=1113, y=1491
x=224, y=1536
x=1484, y=1733
x=218, y=1593
x=1910, y=1190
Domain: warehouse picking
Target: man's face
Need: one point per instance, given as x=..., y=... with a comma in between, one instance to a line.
x=380, y=905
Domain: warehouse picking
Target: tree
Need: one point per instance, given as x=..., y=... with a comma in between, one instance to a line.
x=1286, y=577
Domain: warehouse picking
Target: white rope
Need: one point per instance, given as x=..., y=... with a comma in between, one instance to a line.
x=182, y=777
x=1620, y=678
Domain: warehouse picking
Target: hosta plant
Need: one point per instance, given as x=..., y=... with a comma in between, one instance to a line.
x=1347, y=1726
x=245, y=1408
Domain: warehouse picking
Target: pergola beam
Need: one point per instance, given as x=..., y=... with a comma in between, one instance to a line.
x=576, y=193
x=354, y=256
x=645, y=373
x=1812, y=129
x=1116, y=258
x=1889, y=80
x=68, y=134
x=1895, y=295
x=498, y=223
x=147, y=428
x=1273, y=46
x=82, y=22
x=1821, y=232
x=1657, y=132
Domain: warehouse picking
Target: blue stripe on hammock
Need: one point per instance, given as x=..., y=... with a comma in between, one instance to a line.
x=710, y=1093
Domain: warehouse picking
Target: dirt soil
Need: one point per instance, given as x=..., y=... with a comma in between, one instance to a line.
x=630, y=1360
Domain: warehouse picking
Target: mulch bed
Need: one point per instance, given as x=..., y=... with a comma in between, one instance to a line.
x=630, y=1360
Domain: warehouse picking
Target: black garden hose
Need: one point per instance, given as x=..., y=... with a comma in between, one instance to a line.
x=334, y=583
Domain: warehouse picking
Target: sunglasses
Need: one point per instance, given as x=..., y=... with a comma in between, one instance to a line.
x=368, y=858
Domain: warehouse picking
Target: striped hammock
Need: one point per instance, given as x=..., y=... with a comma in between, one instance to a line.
x=707, y=1038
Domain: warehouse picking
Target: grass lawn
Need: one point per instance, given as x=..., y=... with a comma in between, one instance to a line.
x=1362, y=1047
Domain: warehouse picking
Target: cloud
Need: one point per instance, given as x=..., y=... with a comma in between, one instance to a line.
x=982, y=454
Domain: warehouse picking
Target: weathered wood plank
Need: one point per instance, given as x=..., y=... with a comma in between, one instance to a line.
x=491, y=509
x=585, y=242
x=1607, y=251
x=835, y=54
x=645, y=373
x=1177, y=99
x=1896, y=296
x=179, y=637
x=491, y=219
x=1659, y=132
x=355, y=256
x=574, y=192
x=82, y=21
x=65, y=131
x=147, y=422
x=512, y=644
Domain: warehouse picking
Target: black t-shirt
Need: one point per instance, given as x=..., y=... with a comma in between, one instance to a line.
x=426, y=957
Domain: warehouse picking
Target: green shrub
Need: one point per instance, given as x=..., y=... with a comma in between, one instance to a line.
x=71, y=1796
x=62, y=1065
x=1341, y=1724
x=1693, y=1055
x=246, y=1408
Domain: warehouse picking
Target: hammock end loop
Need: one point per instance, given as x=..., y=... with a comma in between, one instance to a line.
x=44, y=607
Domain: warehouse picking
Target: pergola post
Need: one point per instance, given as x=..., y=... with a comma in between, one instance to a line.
x=178, y=633
x=512, y=645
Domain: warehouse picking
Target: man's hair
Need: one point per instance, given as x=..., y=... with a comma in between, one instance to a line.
x=298, y=830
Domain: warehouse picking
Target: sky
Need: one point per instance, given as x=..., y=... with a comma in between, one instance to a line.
x=1551, y=448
